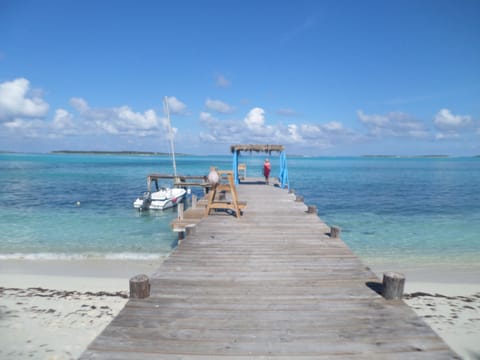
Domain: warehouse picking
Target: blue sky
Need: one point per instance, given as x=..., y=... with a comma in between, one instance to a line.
x=326, y=78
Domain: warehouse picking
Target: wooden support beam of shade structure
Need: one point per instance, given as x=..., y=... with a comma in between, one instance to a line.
x=257, y=148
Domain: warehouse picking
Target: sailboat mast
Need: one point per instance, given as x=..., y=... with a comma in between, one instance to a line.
x=170, y=136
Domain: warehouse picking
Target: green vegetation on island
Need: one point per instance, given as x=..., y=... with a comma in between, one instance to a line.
x=98, y=152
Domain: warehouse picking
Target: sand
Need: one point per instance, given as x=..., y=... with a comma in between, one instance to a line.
x=54, y=309
x=448, y=299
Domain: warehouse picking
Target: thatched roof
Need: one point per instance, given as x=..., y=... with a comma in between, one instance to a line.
x=257, y=148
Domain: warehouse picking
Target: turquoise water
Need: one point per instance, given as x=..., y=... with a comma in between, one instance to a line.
x=424, y=210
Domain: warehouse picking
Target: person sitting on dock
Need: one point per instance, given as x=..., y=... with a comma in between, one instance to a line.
x=266, y=170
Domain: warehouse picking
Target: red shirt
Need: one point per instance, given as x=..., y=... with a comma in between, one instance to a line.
x=266, y=169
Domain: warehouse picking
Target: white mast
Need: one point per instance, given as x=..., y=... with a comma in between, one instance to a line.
x=170, y=136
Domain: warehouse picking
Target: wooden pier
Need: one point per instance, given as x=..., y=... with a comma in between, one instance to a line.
x=271, y=284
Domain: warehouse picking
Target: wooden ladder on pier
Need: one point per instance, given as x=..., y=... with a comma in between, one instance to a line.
x=216, y=201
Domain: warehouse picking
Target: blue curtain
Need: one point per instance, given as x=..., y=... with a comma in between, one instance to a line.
x=235, y=167
x=283, y=178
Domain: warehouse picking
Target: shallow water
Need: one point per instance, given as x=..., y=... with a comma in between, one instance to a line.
x=411, y=210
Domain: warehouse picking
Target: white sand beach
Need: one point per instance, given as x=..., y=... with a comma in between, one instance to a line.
x=452, y=310
x=447, y=299
x=54, y=309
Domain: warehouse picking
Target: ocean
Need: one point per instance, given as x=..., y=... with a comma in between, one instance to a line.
x=410, y=211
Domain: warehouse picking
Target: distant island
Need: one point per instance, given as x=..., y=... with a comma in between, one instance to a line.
x=402, y=156
x=97, y=152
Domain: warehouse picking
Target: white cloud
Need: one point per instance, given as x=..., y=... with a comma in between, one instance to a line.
x=311, y=130
x=62, y=120
x=334, y=126
x=17, y=124
x=446, y=136
x=293, y=131
x=17, y=101
x=106, y=127
x=396, y=124
x=254, y=128
x=32, y=128
x=222, y=81
x=446, y=120
x=128, y=119
x=255, y=119
x=122, y=120
x=327, y=134
x=207, y=137
x=89, y=121
x=372, y=120
x=207, y=118
x=218, y=106
x=176, y=106
x=79, y=104
x=251, y=129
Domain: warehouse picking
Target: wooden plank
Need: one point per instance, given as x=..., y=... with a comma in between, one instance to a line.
x=431, y=355
x=271, y=286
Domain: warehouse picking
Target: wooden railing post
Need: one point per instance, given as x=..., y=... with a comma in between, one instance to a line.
x=139, y=287
x=335, y=231
x=180, y=208
x=312, y=209
x=393, y=285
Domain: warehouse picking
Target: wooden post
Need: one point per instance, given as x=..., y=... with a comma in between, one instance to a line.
x=180, y=211
x=139, y=287
x=312, y=209
x=181, y=236
x=189, y=230
x=393, y=284
x=335, y=231
x=194, y=201
x=299, y=198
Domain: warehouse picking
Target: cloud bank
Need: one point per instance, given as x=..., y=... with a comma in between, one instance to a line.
x=24, y=113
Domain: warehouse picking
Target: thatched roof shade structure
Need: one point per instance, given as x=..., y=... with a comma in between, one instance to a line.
x=257, y=148
x=236, y=149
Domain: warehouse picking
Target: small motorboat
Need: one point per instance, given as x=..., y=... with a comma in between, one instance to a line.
x=162, y=199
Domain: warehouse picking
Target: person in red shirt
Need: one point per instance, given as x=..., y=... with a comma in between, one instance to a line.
x=266, y=170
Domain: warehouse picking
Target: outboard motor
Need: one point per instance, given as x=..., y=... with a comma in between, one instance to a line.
x=143, y=203
x=147, y=199
x=147, y=195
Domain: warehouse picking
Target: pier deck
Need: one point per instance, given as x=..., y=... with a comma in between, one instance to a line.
x=269, y=285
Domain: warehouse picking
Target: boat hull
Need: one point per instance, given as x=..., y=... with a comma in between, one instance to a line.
x=160, y=200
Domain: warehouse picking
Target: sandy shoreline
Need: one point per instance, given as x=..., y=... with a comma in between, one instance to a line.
x=54, y=309
x=447, y=299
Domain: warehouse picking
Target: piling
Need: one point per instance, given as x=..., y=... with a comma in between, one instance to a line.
x=139, y=287
x=393, y=285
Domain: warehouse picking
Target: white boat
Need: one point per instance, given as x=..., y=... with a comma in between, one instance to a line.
x=162, y=198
